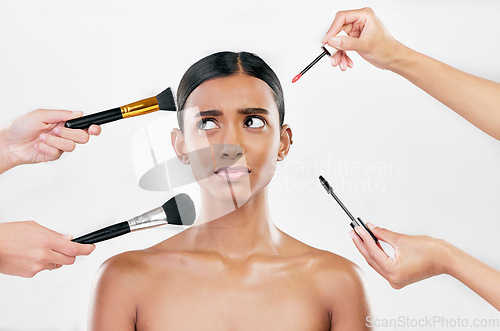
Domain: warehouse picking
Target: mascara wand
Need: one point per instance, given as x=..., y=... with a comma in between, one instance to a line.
x=355, y=222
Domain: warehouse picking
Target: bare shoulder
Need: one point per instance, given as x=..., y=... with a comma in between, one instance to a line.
x=123, y=264
x=339, y=285
x=338, y=274
x=139, y=264
x=331, y=272
x=121, y=272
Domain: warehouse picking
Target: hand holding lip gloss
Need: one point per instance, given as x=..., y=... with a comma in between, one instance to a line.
x=327, y=50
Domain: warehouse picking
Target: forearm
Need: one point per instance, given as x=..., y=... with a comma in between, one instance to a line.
x=474, y=98
x=5, y=161
x=479, y=277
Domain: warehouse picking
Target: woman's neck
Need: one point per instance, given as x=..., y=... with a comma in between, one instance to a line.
x=244, y=231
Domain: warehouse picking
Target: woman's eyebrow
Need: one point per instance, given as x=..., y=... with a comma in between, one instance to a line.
x=253, y=110
x=208, y=113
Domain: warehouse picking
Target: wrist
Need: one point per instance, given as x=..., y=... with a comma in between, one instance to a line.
x=5, y=159
x=402, y=59
x=446, y=256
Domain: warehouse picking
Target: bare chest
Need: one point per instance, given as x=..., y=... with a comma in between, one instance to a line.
x=233, y=298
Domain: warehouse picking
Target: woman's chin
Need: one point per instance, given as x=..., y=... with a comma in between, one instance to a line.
x=233, y=193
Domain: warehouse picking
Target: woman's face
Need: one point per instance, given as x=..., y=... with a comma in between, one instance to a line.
x=232, y=137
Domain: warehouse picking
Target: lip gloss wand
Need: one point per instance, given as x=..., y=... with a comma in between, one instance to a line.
x=327, y=50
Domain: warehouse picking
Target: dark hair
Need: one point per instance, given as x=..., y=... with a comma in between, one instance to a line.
x=224, y=64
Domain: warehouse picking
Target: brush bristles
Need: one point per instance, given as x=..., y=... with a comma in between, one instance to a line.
x=325, y=184
x=180, y=210
x=166, y=100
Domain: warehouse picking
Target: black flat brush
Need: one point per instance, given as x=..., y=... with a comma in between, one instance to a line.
x=355, y=222
x=179, y=210
x=163, y=101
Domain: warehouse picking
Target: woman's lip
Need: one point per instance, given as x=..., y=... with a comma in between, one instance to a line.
x=231, y=174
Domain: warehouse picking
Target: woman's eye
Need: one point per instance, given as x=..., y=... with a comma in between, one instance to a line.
x=207, y=124
x=254, y=122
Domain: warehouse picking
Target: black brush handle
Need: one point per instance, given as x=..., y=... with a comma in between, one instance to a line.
x=367, y=229
x=97, y=118
x=359, y=222
x=106, y=233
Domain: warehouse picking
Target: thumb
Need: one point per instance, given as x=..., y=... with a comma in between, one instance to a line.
x=383, y=234
x=56, y=115
x=346, y=43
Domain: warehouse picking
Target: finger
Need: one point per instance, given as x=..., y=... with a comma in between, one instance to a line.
x=62, y=144
x=350, y=64
x=346, y=43
x=373, y=249
x=78, y=136
x=343, y=62
x=360, y=245
x=335, y=59
x=388, y=236
x=56, y=115
x=343, y=18
x=49, y=153
x=62, y=259
x=94, y=130
x=69, y=248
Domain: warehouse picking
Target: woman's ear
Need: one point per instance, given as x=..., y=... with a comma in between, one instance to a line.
x=285, y=142
x=179, y=145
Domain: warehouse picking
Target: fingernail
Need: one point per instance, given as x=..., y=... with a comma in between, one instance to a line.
x=57, y=130
x=42, y=137
x=67, y=236
x=342, y=66
x=351, y=233
x=79, y=113
x=333, y=61
x=370, y=225
x=334, y=42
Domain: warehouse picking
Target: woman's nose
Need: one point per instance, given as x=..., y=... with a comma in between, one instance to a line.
x=230, y=151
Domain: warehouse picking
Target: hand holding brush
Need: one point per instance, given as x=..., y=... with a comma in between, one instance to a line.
x=163, y=101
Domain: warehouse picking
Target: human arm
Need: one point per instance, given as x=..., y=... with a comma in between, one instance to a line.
x=40, y=136
x=343, y=287
x=474, y=98
x=419, y=257
x=26, y=248
x=113, y=305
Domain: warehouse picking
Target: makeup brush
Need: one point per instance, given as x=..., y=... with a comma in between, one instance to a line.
x=179, y=210
x=355, y=222
x=163, y=101
x=327, y=50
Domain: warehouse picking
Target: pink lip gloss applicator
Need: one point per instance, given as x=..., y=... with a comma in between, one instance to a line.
x=327, y=50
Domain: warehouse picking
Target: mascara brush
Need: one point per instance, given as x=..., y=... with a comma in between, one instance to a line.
x=163, y=101
x=355, y=222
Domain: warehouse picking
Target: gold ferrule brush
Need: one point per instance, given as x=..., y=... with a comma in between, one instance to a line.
x=163, y=101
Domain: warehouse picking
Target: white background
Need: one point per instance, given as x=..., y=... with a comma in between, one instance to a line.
x=443, y=178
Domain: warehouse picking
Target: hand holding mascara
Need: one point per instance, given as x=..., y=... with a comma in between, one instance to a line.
x=355, y=222
x=163, y=101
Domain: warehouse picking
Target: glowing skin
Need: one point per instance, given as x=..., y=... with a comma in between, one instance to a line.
x=232, y=271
